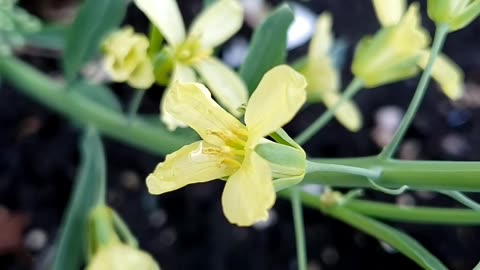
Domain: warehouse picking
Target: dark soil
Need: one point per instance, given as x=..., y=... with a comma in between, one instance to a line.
x=186, y=229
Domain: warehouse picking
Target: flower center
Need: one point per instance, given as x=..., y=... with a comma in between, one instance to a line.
x=234, y=146
x=191, y=51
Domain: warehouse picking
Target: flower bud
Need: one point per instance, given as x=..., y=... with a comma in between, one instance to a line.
x=126, y=58
x=392, y=54
x=455, y=13
x=121, y=257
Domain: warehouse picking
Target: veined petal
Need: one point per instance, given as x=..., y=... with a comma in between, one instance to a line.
x=192, y=104
x=447, y=74
x=194, y=163
x=278, y=97
x=249, y=192
x=322, y=38
x=347, y=114
x=166, y=16
x=389, y=12
x=224, y=83
x=181, y=73
x=218, y=23
x=142, y=76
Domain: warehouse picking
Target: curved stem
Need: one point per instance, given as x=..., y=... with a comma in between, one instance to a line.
x=313, y=167
x=440, y=36
x=77, y=107
x=354, y=86
x=299, y=227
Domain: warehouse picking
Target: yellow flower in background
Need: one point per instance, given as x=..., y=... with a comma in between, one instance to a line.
x=193, y=51
x=117, y=256
x=227, y=148
x=392, y=53
x=126, y=59
x=445, y=72
x=324, y=79
x=455, y=13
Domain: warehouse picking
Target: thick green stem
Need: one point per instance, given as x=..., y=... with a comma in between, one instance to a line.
x=315, y=167
x=77, y=107
x=425, y=175
x=354, y=86
x=299, y=228
x=440, y=36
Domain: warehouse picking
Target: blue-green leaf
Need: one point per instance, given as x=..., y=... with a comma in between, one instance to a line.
x=94, y=20
x=268, y=47
x=50, y=37
x=87, y=192
x=100, y=94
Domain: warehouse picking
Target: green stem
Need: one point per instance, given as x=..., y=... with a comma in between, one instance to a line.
x=124, y=231
x=100, y=164
x=299, y=228
x=440, y=36
x=425, y=215
x=79, y=108
x=313, y=167
x=135, y=104
x=354, y=86
x=425, y=175
x=461, y=198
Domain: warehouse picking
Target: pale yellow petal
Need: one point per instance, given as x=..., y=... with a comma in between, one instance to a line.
x=446, y=73
x=249, y=192
x=225, y=85
x=321, y=76
x=347, y=114
x=194, y=163
x=278, y=97
x=192, y=104
x=142, y=76
x=166, y=16
x=218, y=23
x=389, y=12
x=181, y=73
x=322, y=39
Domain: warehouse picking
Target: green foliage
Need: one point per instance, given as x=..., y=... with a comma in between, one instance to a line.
x=95, y=19
x=86, y=193
x=99, y=94
x=268, y=47
x=50, y=37
x=13, y=22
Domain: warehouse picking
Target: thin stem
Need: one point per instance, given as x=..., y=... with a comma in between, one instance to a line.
x=299, y=228
x=425, y=215
x=135, y=104
x=313, y=167
x=440, y=36
x=354, y=86
x=124, y=231
x=462, y=198
x=102, y=172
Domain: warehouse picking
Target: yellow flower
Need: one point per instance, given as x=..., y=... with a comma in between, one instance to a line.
x=193, y=51
x=324, y=79
x=392, y=53
x=227, y=148
x=447, y=74
x=119, y=256
x=455, y=13
x=126, y=58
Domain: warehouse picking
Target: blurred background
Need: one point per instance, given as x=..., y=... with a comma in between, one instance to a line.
x=186, y=229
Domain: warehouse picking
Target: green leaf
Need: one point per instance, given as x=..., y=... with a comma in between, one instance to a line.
x=86, y=193
x=94, y=20
x=395, y=238
x=100, y=94
x=50, y=37
x=268, y=47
